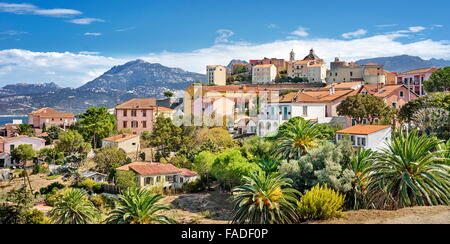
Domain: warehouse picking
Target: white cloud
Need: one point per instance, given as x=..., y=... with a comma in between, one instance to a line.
x=438, y=26
x=66, y=69
x=85, y=21
x=24, y=8
x=126, y=29
x=93, y=34
x=272, y=26
x=76, y=69
x=416, y=29
x=358, y=33
x=386, y=25
x=13, y=33
x=224, y=36
x=301, y=31
x=88, y=53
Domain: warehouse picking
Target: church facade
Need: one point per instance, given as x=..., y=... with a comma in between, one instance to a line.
x=311, y=69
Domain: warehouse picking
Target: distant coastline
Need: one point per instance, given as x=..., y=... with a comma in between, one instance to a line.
x=13, y=115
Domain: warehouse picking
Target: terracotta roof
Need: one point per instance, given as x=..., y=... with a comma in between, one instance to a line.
x=415, y=71
x=12, y=127
x=363, y=129
x=382, y=92
x=317, y=96
x=138, y=103
x=120, y=138
x=215, y=66
x=344, y=85
x=147, y=169
x=18, y=137
x=50, y=112
x=164, y=109
x=187, y=173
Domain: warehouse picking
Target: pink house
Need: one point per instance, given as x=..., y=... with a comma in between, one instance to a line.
x=50, y=117
x=136, y=115
x=393, y=95
x=414, y=79
x=8, y=144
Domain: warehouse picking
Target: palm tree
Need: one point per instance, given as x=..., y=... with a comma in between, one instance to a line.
x=410, y=172
x=138, y=206
x=74, y=207
x=295, y=138
x=360, y=161
x=265, y=199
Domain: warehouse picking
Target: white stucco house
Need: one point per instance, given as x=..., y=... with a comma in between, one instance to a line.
x=8, y=144
x=374, y=137
x=127, y=142
x=264, y=74
x=95, y=176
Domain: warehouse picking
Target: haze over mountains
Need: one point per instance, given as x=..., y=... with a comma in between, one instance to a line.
x=121, y=83
x=404, y=63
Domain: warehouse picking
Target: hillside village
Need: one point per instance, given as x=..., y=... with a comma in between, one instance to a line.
x=345, y=131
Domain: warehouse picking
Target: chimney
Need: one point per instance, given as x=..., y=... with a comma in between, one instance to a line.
x=332, y=89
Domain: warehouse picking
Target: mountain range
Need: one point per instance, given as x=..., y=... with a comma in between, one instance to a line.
x=404, y=63
x=137, y=78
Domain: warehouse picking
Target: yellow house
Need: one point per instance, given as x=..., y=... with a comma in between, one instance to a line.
x=127, y=142
x=157, y=174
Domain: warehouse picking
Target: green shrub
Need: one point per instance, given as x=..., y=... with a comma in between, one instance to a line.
x=53, y=177
x=193, y=187
x=320, y=202
x=49, y=188
x=40, y=169
x=52, y=197
x=98, y=201
x=98, y=188
x=87, y=184
x=35, y=217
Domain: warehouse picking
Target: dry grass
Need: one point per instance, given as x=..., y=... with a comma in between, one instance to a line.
x=416, y=215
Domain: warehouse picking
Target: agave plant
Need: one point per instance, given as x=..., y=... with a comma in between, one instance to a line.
x=360, y=161
x=138, y=206
x=410, y=172
x=295, y=138
x=269, y=165
x=74, y=207
x=265, y=199
x=444, y=149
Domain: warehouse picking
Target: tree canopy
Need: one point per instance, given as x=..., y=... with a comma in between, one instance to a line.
x=95, y=125
x=72, y=142
x=439, y=81
x=436, y=100
x=109, y=158
x=368, y=107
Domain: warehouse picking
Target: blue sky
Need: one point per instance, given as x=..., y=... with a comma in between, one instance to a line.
x=72, y=41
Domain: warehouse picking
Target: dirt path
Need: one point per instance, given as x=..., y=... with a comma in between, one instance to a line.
x=210, y=208
x=416, y=215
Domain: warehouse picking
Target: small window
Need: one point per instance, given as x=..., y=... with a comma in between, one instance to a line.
x=394, y=105
x=133, y=113
x=125, y=113
x=305, y=110
x=125, y=124
x=11, y=147
x=144, y=113
x=402, y=93
x=159, y=179
x=363, y=142
x=144, y=124
x=149, y=181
